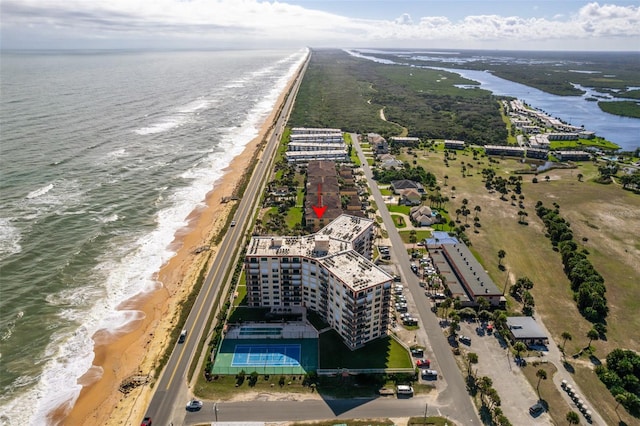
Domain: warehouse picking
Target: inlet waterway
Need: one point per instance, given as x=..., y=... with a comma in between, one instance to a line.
x=575, y=110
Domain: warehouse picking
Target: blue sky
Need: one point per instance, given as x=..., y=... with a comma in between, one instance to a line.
x=460, y=24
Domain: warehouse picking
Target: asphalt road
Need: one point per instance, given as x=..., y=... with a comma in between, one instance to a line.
x=455, y=394
x=280, y=411
x=171, y=390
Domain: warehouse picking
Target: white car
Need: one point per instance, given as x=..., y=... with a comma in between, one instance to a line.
x=194, y=405
x=431, y=374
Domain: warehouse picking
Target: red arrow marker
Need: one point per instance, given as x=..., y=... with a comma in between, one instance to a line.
x=319, y=209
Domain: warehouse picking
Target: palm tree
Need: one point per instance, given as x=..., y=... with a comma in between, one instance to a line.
x=458, y=212
x=541, y=374
x=573, y=418
x=621, y=398
x=453, y=189
x=519, y=347
x=580, y=176
x=592, y=335
x=445, y=179
x=477, y=209
x=565, y=336
x=501, y=255
x=547, y=178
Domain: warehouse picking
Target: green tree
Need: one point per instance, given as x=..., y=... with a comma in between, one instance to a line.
x=592, y=335
x=573, y=418
x=621, y=398
x=519, y=347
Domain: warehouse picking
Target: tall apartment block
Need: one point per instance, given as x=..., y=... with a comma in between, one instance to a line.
x=329, y=272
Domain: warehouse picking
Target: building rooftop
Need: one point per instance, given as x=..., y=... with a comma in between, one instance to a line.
x=346, y=227
x=354, y=270
x=332, y=246
x=525, y=328
x=303, y=130
x=470, y=271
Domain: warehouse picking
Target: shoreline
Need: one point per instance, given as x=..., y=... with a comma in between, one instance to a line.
x=137, y=351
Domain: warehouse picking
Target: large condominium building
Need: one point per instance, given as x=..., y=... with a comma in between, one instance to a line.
x=329, y=272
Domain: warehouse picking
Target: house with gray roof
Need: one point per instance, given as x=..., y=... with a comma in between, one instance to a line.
x=527, y=331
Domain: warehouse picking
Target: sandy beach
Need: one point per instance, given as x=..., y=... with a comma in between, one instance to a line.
x=137, y=351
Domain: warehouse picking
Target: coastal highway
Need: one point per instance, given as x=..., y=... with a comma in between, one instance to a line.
x=168, y=403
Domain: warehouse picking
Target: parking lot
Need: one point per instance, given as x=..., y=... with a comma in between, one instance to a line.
x=496, y=362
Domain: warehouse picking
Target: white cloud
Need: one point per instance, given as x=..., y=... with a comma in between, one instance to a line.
x=209, y=23
x=404, y=19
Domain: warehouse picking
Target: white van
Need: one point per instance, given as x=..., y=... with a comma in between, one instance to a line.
x=404, y=390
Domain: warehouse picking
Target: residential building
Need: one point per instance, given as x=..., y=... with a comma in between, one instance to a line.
x=378, y=143
x=572, y=155
x=329, y=272
x=398, y=185
x=422, y=215
x=307, y=144
x=405, y=141
x=410, y=197
x=538, y=154
x=506, y=150
x=453, y=144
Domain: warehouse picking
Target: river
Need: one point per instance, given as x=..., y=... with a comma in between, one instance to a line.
x=575, y=110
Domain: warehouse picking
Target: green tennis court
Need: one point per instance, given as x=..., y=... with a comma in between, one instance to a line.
x=266, y=356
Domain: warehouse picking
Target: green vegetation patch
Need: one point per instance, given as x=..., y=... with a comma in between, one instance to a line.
x=623, y=108
x=385, y=352
x=340, y=90
x=394, y=208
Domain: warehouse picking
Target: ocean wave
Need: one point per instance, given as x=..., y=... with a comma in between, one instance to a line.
x=40, y=191
x=180, y=117
x=128, y=266
x=10, y=237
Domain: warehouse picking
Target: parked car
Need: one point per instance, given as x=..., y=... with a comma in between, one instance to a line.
x=404, y=390
x=536, y=409
x=465, y=339
x=146, y=421
x=417, y=352
x=194, y=405
x=429, y=374
x=423, y=363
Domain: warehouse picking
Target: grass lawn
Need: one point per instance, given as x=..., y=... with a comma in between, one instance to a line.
x=394, y=208
x=385, y=191
x=381, y=353
x=224, y=387
x=420, y=235
x=558, y=407
x=294, y=217
x=241, y=289
x=399, y=221
x=604, y=218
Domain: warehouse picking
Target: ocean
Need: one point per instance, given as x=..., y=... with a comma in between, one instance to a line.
x=103, y=156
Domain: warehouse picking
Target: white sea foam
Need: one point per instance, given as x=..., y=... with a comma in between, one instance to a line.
x=40, y=191
x=180, y=117
x=10, y=237
x=126, y=270
x=117, y=153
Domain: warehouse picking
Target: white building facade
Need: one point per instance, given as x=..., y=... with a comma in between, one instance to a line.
x=329, y=272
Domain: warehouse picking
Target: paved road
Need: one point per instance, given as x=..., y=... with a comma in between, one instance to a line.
x=171, y=391
x=455, y=395
x=280, y=411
